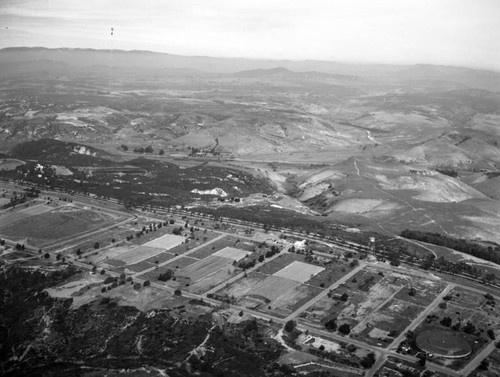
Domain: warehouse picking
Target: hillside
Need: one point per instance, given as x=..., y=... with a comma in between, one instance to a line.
x=300, y=125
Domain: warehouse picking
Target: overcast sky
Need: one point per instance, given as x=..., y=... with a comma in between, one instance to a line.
x=453, y=32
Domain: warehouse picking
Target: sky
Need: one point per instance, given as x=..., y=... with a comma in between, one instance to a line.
x=450, y=32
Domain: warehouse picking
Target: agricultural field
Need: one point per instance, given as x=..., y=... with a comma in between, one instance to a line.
x=206, y=273
x=219, y=244
x=166, y=242
x=279, y=291
x=299, y=271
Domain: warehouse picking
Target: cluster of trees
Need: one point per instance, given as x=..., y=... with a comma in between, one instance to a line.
x=148, y=149
x=468, y=247
x=151, y=228
x=28, y=193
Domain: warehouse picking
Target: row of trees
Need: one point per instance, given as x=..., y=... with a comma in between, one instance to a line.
x=468, y=247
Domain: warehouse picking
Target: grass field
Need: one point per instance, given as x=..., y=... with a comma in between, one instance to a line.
x=16, y=214
x=48, y=227
x=299, y=271
x=166, y=242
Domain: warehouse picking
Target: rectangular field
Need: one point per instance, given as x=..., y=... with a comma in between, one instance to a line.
x=204, y=268
x=46, y=228
x=213, y=247
x=138, y=254
x=299, y=271
x=231, y=253
x=283, y=260
x=166, y=242
x=273, y=287
x=181, y=263
x=160, y=258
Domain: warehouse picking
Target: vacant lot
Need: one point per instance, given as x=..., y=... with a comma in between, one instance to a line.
x=166, y=242
x=466, y=298
x=299, y=271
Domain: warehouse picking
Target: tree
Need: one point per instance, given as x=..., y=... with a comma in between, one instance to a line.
x=58, y=256
x=96, y=245
x=147, y=283
x=421, y=359
x=331, y=325
x=177, y=292
x=46, y=255
x=167, y=275
x=367, y=361
x=261, y=258
x=484, y=365
x=446, y=321
x=470, y=328
x=290, y=326
x=161, y=152
x=345, y=329
x=491, y=334
x=344, y=297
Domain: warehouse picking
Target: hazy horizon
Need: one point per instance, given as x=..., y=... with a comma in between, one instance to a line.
x=446, y=32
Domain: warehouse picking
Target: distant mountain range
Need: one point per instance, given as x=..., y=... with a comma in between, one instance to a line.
x=17, y=59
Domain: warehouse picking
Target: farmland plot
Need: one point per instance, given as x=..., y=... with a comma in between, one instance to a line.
x=299, y=271
x=231, y=253
x=205, y=267
x=138, y=254
x=166, y=242
x=273, y=287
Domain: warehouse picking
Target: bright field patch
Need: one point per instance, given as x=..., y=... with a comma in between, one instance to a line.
x=231, y=253
x=166, y=242
x=299, y=271
x=138, y=254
